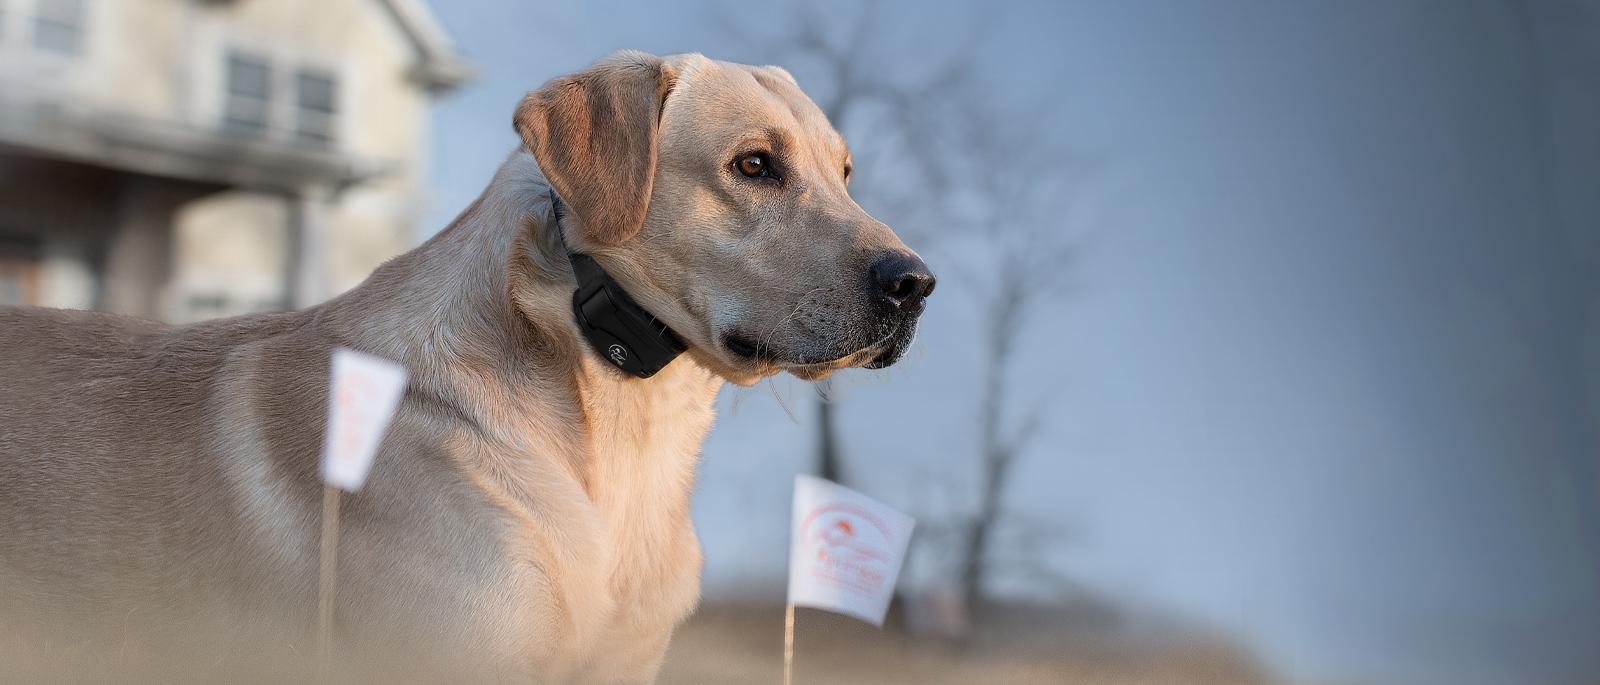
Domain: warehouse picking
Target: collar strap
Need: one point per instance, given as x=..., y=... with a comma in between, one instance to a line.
x=618, y=329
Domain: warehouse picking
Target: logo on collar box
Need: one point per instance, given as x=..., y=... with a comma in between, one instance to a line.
x=616, y=327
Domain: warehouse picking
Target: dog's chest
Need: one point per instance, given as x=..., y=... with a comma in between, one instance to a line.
x=645, y=439
x=644, y=442
x=603, y=553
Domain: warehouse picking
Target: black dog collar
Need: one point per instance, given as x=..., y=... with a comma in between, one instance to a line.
x=620, y=330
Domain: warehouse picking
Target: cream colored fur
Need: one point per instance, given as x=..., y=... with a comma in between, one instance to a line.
x=527, y=519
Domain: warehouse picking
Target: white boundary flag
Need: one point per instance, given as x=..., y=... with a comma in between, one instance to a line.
x=845, y=550
x=363, y=393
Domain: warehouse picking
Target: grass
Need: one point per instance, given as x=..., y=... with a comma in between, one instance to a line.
x=739, y=645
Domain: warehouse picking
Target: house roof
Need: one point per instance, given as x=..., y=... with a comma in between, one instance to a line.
x=440, y=67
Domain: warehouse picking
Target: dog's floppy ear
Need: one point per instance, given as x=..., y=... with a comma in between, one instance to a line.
x=594, y=135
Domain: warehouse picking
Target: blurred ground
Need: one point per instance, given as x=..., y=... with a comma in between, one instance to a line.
x=733, y=644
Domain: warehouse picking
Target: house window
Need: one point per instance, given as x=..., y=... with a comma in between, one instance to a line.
x=248, y=109
x=317, y=99
x=58, y=26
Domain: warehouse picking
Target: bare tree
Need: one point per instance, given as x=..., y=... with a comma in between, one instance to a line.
x=939, y=121
x=909, y=135
x=1026, y=257
x=885, y=119
x=1017, y=252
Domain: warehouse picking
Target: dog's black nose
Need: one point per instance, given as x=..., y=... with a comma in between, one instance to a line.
x=903, y=281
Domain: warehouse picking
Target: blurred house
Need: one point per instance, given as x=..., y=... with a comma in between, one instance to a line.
x=186, y=159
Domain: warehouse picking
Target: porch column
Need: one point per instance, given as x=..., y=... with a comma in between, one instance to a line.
x=306, y=275
x=138, y=264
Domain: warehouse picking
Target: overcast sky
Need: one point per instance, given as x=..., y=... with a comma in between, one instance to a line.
x=1293, y=396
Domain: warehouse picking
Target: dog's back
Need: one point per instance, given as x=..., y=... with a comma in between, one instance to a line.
x=75, y=393
x=160, y=496
x=108, y=428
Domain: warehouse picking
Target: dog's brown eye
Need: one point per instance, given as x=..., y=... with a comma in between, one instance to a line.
x=755, y=166
x=847, y=170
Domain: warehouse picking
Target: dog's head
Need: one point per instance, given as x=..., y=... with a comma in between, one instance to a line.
x=717, y=195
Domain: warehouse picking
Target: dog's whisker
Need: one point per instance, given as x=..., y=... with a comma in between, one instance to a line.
x=762, y=343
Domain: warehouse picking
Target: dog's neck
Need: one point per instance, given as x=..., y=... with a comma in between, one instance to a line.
x=449, y=302
x=524, y=408
x=481, y=314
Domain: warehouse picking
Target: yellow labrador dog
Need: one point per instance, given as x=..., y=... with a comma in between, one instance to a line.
x=528, y=516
